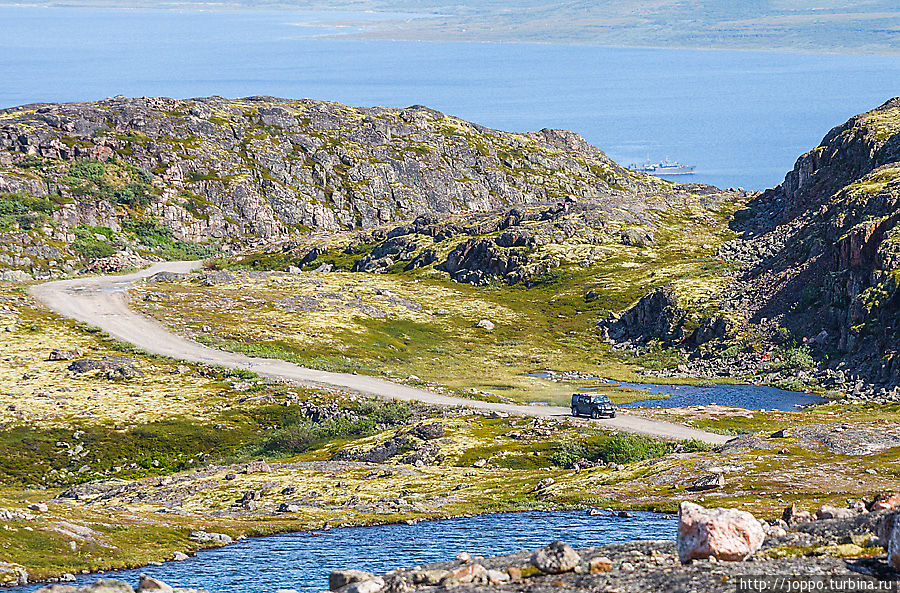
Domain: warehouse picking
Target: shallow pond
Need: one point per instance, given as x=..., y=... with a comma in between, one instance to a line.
x=303, y=561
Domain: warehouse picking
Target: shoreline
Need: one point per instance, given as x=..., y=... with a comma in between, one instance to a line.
x=320, y=531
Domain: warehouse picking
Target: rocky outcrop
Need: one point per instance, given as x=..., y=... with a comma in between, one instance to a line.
x=265, y=166
x=656, y=316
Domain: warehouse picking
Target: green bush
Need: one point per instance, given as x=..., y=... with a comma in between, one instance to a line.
x=619, y=448
x=149, y=231
x=159, y=238
x=298, y=435
x=568, y=453
x=622, y=448
x=798, y=357
x=189, y=250
x=133, y=195
x=87, y=169
x=89, y=246
x=137, y=193
x=24, y=211
x=390, y=413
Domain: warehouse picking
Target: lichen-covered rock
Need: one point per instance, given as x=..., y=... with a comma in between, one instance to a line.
x=211, y=537
x=723, y=534
x=341, y=578
x=556, y=558
x=149, y=584
x=885, y=501
x=15, y=276
x=13, y=574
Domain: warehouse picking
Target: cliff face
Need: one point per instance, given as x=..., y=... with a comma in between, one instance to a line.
x=266, y=167
x=822, y=250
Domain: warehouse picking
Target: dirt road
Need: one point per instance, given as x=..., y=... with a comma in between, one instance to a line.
x=102, y=301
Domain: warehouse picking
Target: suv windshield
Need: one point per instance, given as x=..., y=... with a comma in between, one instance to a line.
x=600, y=399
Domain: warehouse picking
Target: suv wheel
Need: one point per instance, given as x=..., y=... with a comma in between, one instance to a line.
x=595, y=413
x=574, y=411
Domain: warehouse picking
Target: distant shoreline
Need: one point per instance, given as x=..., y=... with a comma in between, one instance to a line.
x=402, y=26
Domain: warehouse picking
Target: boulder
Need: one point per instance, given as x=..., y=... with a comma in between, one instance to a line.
x=119, y=261
x=40, y=507
x=219, y=277
x=12, y=574
x=258, y=466
x=599, y=564
x=467, y=573
x=708, y=482
x=485, y=325
x=723, y=534
x=341, y=578
x=167, y=277
x=148, y=583
x=886, y=501
x=497, y=577
x=373, y=585
x=114, y=367
x=427, y=432
x=543, y=484
x=656, y=316
x=829, y=512
x=64, y=354
x=430, y=577
x=15, y=276
x=211, y=537
x=792, y=516
x=556, y=558
x=107, y=586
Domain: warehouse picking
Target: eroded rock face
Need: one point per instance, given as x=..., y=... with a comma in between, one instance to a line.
x=723, y=534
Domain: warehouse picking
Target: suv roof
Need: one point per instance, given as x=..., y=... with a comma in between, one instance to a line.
x=593, y=396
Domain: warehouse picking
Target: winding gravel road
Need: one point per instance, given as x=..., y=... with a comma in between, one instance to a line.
x=102, y=301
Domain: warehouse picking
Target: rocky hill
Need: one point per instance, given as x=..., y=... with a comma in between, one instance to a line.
x=820, y=252
x=264, y=167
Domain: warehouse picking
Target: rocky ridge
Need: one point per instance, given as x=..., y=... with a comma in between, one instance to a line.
x=213, y=168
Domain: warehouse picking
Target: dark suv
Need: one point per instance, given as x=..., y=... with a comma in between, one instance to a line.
x=593, y=405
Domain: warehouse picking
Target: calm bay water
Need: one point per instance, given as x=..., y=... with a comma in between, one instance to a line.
x=303, y=561
x=741, y=118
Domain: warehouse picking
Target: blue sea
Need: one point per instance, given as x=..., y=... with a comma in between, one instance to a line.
x=742, y=118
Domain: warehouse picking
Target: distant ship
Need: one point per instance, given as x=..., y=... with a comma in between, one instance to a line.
x=665, y=167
